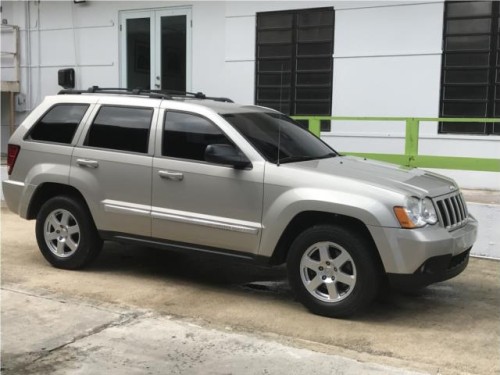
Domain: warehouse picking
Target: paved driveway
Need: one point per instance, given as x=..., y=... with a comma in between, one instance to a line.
x=449, y=328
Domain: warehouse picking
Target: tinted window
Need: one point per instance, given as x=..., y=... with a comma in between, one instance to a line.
x=270, y=132
x=121, y=128
x=470, y=57
x=293, y=57
x=59, y=124
x=186, y=136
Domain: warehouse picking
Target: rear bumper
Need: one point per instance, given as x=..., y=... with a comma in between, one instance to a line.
x=433, y=270
x=12, y=191
x=17, y=196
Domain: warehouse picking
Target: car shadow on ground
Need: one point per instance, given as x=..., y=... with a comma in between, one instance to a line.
x=271, y=282
x=209, y=269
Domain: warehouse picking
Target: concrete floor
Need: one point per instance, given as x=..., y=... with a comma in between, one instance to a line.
x=114, y=340
x=449, y=328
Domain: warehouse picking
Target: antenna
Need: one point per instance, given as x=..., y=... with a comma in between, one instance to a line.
x=279, y=120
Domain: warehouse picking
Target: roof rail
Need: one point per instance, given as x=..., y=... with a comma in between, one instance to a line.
x=159, y=94
x=194, y=95
x=115, y=90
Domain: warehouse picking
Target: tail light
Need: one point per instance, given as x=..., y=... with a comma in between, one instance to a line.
x=12, y=152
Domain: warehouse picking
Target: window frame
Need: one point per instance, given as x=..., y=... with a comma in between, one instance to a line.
x=150, y=145
x=492, y=95
x=294, y=71
x=161, y=129
x=27, y=136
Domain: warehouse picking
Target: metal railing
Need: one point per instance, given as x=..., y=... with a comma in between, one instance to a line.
x=411, y=157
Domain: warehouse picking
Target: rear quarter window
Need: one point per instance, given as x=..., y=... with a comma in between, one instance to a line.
x=59, y=123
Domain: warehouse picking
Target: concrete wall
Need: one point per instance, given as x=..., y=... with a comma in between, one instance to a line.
x=387, y=62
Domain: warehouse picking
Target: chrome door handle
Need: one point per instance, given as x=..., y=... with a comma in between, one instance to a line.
x=175, y=176
x=87, y=163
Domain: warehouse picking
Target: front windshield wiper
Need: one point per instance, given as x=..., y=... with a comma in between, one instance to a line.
x=291, y=159
x=296, y=158
x=326, y=156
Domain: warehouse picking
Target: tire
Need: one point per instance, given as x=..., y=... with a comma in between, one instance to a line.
x=66, y=233
x=334, y=272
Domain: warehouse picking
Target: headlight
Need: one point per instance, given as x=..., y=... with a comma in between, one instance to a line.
x=416, y=213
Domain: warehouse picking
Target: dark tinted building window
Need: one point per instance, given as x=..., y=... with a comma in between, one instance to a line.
x=470, y=83
x=294, y=62
x=186, y=136
x=59, y=124
x=121, y=128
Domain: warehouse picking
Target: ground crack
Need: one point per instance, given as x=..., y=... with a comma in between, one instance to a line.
x=124, y=319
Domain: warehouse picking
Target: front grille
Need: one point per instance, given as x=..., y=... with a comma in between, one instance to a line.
x=452, y=211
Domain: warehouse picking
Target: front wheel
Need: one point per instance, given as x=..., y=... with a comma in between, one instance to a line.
x=66, y=233
x=333, y=271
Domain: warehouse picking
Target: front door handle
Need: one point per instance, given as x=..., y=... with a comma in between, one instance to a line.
x=175, y=176
x=87, y=163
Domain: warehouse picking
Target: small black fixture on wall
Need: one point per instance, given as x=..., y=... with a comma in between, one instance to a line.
x=79, y=1
x=66, y=78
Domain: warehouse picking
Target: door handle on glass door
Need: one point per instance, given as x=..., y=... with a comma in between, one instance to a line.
x=175, y=176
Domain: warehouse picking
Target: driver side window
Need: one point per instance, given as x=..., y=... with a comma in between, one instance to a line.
x=186, y=136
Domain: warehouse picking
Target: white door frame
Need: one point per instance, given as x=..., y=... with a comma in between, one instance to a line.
x=154, y=16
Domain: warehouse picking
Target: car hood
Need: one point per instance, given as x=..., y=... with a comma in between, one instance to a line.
x=412, y=181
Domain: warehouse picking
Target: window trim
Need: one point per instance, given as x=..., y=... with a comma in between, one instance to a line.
x=72, y=143
x=98, y=107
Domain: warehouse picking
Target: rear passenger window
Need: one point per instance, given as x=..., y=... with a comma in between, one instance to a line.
x=59, y=124
x=186, y=136
x=121, y=128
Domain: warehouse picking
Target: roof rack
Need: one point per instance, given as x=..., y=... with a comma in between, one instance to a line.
x=157, y=94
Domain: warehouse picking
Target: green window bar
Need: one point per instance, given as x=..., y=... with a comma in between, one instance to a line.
x=411, y=157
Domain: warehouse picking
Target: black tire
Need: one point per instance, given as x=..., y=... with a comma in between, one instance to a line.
x=359, y=267
x=77, y=242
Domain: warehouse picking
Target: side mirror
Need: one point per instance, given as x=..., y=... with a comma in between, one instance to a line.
x=226, y=154
x=66, y=78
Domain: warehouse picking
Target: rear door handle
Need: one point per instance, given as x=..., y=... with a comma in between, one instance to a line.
x=175, y=176
x=87, y=163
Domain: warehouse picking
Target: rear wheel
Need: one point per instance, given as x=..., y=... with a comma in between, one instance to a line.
x=66, y=233
x=333, y=271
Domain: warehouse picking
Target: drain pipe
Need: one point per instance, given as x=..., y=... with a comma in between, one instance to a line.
x=28, y=54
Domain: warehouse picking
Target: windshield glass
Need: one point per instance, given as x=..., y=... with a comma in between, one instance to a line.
x=266, y=130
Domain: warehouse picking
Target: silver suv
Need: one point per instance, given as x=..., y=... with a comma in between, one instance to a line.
x=197, y=174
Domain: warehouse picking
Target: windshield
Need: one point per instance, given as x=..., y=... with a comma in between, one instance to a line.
x=266, y=130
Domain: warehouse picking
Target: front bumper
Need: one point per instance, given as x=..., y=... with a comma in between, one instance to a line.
x=424, y=255
x=433, y=270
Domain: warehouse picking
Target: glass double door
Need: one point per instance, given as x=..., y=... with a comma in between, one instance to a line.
x=156, y=49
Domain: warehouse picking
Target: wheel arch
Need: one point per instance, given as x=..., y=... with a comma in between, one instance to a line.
x=307, y=219
x=49, y=190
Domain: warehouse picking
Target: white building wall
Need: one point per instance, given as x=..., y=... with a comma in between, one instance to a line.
x=208, y=49
x=387, y=62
